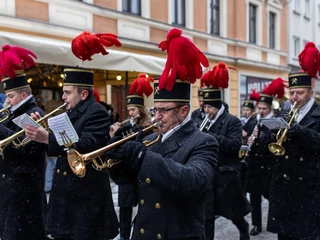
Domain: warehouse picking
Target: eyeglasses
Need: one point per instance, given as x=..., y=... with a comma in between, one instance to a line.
x=163, y=111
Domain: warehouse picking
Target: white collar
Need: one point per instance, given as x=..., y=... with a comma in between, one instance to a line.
x=305, y=109
x=20, y=103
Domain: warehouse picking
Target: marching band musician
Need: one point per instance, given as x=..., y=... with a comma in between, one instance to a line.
x=173, y=173
x=22, y=197
x=139, y=119
x=260, y=161
x=294, y=193
x=198, y=115
x=248, y=116
x=226, y=196
x=80, y=208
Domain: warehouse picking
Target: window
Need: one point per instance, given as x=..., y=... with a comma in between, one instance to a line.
x=252, y=23
x=296, y=5
x=272, y=30
x=179, y=12
x=215, y=17
x=132, y=6
x=307, y=8
x=296, y=46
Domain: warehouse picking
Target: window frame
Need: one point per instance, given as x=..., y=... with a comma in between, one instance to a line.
x=175, y=17
x=130, y=4
x=272, y=29
x=252, y=20
x=215, y=22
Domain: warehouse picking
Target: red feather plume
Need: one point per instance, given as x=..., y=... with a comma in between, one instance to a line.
x=254, y=96
x=85, y=45
x=206, y=80
x=13, y=58
x=220, y=75
x=141, y=85
x=96, y=95
x=275, y=88
x=309, y=59
x=184, y=60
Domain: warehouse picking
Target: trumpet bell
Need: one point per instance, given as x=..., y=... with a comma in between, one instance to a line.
x=276, y=149
x=77, y=166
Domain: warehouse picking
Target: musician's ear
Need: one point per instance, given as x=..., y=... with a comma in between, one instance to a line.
x=84, y=94
x=185, y=110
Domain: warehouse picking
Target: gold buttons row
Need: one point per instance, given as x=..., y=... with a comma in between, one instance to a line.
x=159, y=236
x=157, y=205
x=64, y=173
x=148, y=180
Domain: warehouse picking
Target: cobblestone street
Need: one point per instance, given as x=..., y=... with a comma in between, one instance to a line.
x=225, y=230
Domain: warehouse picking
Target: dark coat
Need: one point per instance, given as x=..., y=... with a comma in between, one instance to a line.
x=82, y=208
x=294, y=207
x=128, y=193
x=22, y=196
x=260, y=163
x=172, y=182
x=197, y=116
x=226, y=198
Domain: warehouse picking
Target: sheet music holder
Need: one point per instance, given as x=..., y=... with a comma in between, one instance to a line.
x=61, y=124
x=25, y=120
x=275, y=123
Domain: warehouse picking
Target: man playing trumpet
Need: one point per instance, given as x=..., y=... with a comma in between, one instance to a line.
x=22, y=197
x=138, y=120
x=294, y=211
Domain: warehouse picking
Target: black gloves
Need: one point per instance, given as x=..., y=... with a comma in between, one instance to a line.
x=132, y=151
x=295, y=130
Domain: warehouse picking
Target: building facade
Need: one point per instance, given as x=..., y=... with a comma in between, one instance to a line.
x=250, y=35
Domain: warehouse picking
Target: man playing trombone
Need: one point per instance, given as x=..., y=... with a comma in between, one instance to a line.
x=294, y=210
x=22, y=197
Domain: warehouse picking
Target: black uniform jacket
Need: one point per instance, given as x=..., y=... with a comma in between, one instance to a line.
x=226, y=198
x=294, y=207
x=172, y=182
x=197, y=116
x=22, y=197
x=82, y=208
x=260, y=162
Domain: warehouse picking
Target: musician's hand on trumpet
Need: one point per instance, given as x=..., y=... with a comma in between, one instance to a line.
x=131, y=152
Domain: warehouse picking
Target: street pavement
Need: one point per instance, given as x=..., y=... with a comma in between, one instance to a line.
x=224, y=229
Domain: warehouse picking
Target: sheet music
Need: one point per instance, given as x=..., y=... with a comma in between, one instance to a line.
x=61, y=123
x=24, y=120
x=274, y=123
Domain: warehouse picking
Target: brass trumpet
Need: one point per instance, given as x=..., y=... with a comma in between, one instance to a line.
x=124, y=122
x=204, y=122
x=5, y=112
x=277, y=148
x=14, y=139
x=78, y=162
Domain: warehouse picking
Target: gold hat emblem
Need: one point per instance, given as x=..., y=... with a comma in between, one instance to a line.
x=206, y=95
x=156, y=91
x=64, y=76
x=4, y=86
x=129, y=100
x=262, y=99
x=294, y=80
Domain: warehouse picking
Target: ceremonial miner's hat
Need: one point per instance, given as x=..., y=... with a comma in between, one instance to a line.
x=140, y=87
x=309, y=60
x=248, y=104
x=215, y=80
x=13, y=61
x=183, y=67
